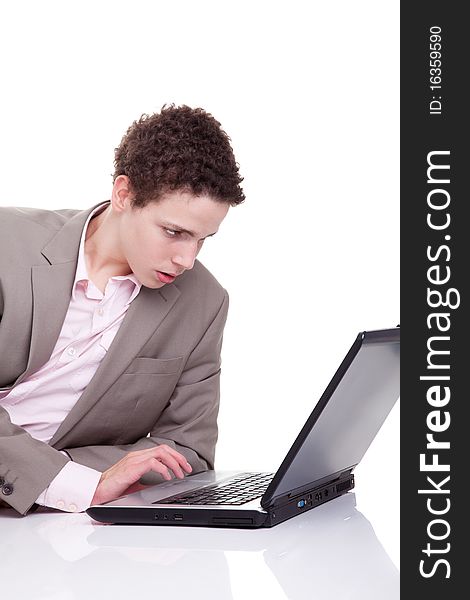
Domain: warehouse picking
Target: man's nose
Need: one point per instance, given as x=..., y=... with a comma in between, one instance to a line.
x=186, y=259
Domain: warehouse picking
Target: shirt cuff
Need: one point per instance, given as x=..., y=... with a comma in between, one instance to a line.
x=72, y=489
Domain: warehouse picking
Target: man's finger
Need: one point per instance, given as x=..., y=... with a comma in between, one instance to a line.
x=172, y=463
x=179, y=457
x=159, y=467
x=164, y=450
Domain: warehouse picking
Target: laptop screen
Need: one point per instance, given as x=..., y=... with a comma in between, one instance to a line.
x=348, y=415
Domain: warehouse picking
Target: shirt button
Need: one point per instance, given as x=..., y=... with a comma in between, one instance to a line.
x=100, y=312
x=60, y=504
x=73, y=508
x=71, y=351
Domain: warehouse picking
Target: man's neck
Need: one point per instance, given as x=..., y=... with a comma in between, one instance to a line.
x=102, y=256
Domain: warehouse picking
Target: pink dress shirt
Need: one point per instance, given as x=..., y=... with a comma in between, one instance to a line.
x=41, y=402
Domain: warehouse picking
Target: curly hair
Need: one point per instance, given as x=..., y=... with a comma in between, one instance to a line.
x=180, y=148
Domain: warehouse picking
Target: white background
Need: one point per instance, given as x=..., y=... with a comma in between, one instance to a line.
x=308, y=92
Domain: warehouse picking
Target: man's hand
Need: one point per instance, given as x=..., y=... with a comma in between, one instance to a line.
x=123, y=477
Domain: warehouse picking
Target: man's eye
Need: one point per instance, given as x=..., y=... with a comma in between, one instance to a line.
x=172, y=232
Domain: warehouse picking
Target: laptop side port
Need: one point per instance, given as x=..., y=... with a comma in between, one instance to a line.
x=178, y=517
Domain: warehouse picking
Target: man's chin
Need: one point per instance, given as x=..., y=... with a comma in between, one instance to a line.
x=153, y=285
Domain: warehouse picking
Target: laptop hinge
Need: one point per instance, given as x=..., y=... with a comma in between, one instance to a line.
x=309, y=488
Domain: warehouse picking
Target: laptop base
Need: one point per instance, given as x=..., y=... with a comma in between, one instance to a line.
x=203, y=516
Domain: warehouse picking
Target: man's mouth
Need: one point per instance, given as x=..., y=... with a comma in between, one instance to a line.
x=165, y=277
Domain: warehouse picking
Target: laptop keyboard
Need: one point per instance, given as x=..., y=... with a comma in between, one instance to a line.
x=235, y=491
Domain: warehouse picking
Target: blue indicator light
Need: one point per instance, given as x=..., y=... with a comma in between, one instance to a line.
x=301, y=503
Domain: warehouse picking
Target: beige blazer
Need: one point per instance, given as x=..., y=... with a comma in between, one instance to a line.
x=158, y=383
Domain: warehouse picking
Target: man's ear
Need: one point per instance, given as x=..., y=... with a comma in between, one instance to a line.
x=122, y=195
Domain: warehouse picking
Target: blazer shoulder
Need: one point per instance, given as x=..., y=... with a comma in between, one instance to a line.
x=200, y=282
x=52, y=220
x=25, y=231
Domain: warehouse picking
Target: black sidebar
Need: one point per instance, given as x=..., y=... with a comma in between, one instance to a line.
x=435, y=320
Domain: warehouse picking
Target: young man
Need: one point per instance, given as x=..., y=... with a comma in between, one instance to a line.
x=110, y=329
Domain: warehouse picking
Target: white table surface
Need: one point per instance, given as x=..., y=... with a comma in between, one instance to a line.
x=331, y=551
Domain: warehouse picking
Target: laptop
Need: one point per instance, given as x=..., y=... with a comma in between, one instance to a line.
x=318, y=468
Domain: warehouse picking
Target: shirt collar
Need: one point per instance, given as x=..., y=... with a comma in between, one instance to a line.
x=81, y=273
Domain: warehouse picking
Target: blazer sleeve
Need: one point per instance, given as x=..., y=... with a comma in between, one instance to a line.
x=27, y=466
x=1, y=301
x=189, y=422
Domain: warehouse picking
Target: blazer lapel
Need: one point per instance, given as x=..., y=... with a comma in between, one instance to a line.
x=142, y=319
x=51, y=297
x=52, y=288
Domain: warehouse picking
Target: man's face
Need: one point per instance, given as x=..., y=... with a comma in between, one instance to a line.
x=162, y=240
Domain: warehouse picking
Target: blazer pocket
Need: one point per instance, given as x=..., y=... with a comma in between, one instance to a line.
x=144, y=391
x=155, y=366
